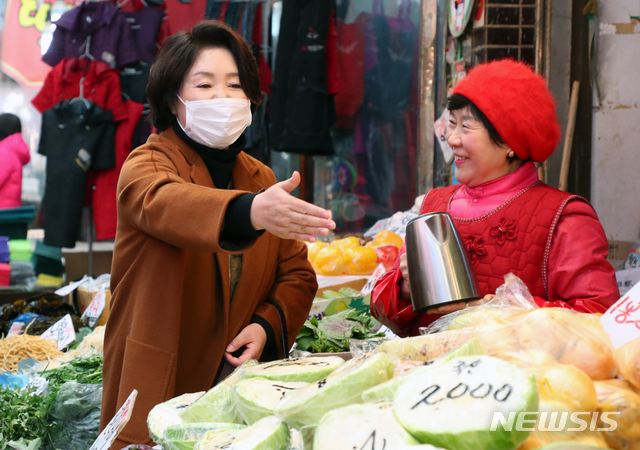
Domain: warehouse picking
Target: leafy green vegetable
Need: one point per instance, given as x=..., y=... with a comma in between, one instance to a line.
x=24, y=416
x=27, y=417
x=333, y=333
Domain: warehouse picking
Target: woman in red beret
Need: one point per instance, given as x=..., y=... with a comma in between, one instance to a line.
x=503, y=120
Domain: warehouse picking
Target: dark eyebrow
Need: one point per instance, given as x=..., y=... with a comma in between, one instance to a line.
x=210, y=74
x=468, y=118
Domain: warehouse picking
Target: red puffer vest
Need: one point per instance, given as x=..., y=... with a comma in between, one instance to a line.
x=514, y=237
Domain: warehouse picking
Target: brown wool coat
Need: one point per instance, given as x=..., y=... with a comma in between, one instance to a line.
x=171, y=316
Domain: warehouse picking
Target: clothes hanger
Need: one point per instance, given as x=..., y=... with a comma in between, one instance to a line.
x=87, y=47
x=81, y=97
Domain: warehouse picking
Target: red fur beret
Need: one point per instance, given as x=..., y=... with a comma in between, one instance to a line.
x=517, y=103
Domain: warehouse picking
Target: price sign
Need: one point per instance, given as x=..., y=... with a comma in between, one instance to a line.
x=622, y=320
x=380, y=270
x=16, y=328
x=64, y=291
x=119, y=421
x=61, y=332
x=95, y=308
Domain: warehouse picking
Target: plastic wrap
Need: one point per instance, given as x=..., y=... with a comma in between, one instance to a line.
x=359, y=347
x=307, y=405
x=627, y=360
x=166, y=414
x=216, y=405
x=566, y=384
x=360, y=426
x=306, y=369
x=256, y=398
x=427, y=347
x=297, y=443
x=549, y=336
x=266, y=434
x=618, y=396
x=512, y=297
x=76, y=413
x=564, y=440
x=185, y=436
x=387, y=390
x=452, y=404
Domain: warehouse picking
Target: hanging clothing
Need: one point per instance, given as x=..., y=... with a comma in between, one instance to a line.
x=110, y=38
x=75, y=136
x=182, y=15
x=302, y=111
x=145, y=26
x=14, y=153
x=101, y=85
x=102, y=184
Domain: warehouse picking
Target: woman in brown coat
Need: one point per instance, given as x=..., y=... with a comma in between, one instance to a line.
x=207, y=269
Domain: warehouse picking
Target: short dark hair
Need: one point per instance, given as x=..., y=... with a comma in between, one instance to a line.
x=459, y=101
x=9, y=124
x=177, y=56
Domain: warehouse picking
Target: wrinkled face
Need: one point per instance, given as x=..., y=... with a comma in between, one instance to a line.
x=213, y=75
x=477, y=159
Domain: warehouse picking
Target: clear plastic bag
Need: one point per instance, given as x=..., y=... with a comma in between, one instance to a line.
x=617, y=396
x=552, y=336
x=267, y=433
x=627, y=360
x=76, y=413
x=512, y=297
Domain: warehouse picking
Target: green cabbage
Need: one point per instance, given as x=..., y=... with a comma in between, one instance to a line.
x=266, y=434
x=452, y=404
x=307, y=369
x=216, y=405
x=257, y=397
x=185, y=436
x=166, y=414
x=307, y=405
x=360, y=427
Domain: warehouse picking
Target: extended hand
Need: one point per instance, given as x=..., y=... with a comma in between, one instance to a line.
x=254, y=338
x=287, y=217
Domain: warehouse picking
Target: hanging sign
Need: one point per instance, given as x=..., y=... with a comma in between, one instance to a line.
x=459, y=13
x=25, y=20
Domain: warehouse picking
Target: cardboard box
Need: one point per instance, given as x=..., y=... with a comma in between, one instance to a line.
x=618, y=252
x=85, y=297
x=328, y=307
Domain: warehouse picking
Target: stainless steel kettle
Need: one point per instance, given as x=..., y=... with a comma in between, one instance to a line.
x=440, y=271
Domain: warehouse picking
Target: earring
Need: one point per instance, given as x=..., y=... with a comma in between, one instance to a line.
x=511, y=154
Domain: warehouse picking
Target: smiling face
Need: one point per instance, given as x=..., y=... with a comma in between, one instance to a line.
x=477, y=159
x=213, y=75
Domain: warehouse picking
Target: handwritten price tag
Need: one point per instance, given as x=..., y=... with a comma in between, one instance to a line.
x=37, y=385
x=372, y=279
x=16, y=328
x=119, y=421
x=95, y=308
x=64, y=291
x=622, y=320
x=61, y=332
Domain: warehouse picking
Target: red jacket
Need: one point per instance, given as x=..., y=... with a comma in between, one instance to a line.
x=14, y=154
x=533, y=235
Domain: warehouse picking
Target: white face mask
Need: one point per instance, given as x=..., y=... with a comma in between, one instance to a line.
x=217, y=122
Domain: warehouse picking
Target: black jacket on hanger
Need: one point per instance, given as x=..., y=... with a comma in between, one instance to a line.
x=76, y=135
x=302, y=112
